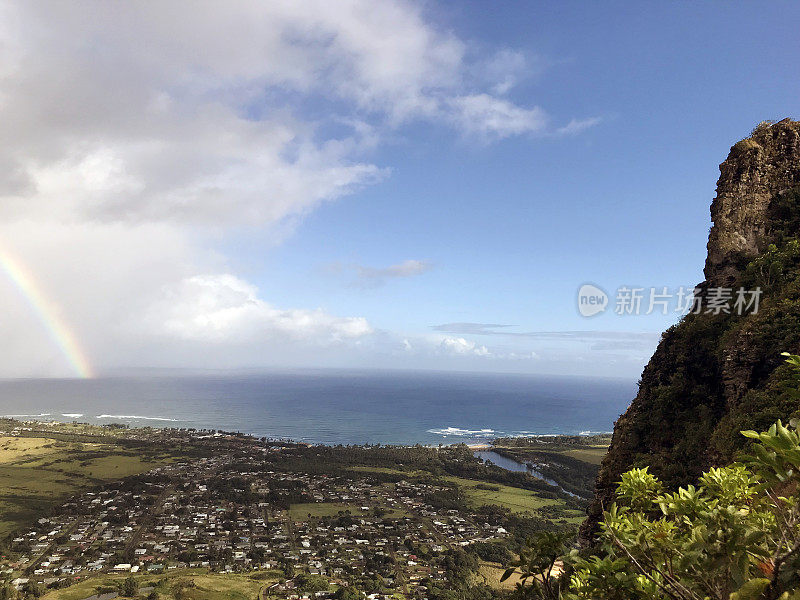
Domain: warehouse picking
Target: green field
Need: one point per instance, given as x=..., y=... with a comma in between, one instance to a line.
x=517, y=500
x=406, y=473
x=491, y=573
x=301, y=512
x=588, y=453
x=37, y=473
x=592, y=455
x=198, y=584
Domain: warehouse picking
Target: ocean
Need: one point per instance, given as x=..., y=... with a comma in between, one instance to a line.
x=334, y=407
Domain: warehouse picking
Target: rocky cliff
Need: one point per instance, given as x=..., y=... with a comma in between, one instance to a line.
x=713, y=375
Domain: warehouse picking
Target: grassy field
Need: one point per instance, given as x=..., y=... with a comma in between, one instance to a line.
x=300, y=512
x=407, y=473
x=198, y=584
x=217, y=586
x=490, y=574
x=36, y=473
x=589, y=453
x=515, y=499
x=593, y=455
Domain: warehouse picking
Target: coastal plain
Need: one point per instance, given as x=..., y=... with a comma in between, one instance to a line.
x=87, y=510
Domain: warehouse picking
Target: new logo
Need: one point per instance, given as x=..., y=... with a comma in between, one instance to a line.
x=591, y=300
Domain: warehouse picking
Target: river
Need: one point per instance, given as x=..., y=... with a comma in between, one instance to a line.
x=509, y=464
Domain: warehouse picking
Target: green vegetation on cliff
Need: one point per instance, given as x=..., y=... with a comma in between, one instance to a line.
x=714, y=375
x=733, y=535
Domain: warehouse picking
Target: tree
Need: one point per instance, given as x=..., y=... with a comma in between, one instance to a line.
x=7, y=592
x=537, y=564
x=736, y=535
x=733, y=536
x=348, y=593
x=32, y=589
x=312, y=583
x=288, y=568
x=130, y=587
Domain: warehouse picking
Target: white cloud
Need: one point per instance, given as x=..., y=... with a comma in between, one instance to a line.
x=576, y=126
x=183, y=112
x=522, y=356
x=463, y=347
x=505, y=68
x=223, y=307
x=496, y=118
x=371, y=277
x=138, y=135
x=407, y=268
x=143, y=112
x=378, y=276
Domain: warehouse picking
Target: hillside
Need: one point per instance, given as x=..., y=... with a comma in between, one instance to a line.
x=716, y=373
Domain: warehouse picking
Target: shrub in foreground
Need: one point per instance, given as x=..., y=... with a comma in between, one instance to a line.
x=733, y=536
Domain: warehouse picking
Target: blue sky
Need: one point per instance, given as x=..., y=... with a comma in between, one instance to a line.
x=512, y=228
x=467, y=200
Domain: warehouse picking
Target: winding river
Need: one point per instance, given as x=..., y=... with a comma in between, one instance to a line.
x=509, y=464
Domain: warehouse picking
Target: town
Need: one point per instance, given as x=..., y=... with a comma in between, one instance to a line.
x=297, y=514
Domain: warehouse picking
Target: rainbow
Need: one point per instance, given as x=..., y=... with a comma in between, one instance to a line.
x=48, y=313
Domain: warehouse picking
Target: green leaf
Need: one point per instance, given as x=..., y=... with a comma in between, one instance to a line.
x=752, y=590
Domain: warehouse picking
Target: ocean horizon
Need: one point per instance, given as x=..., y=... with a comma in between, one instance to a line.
x=333, y=407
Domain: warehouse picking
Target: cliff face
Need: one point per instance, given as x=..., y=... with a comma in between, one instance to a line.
x=713, y=375
x=757, y=168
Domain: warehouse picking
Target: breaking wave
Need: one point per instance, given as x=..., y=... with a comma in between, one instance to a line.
x=137, y=417
x=457, y=431
x=493, y=433
x=26, y=416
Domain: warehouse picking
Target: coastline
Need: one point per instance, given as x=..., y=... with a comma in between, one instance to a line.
x=330, y=410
